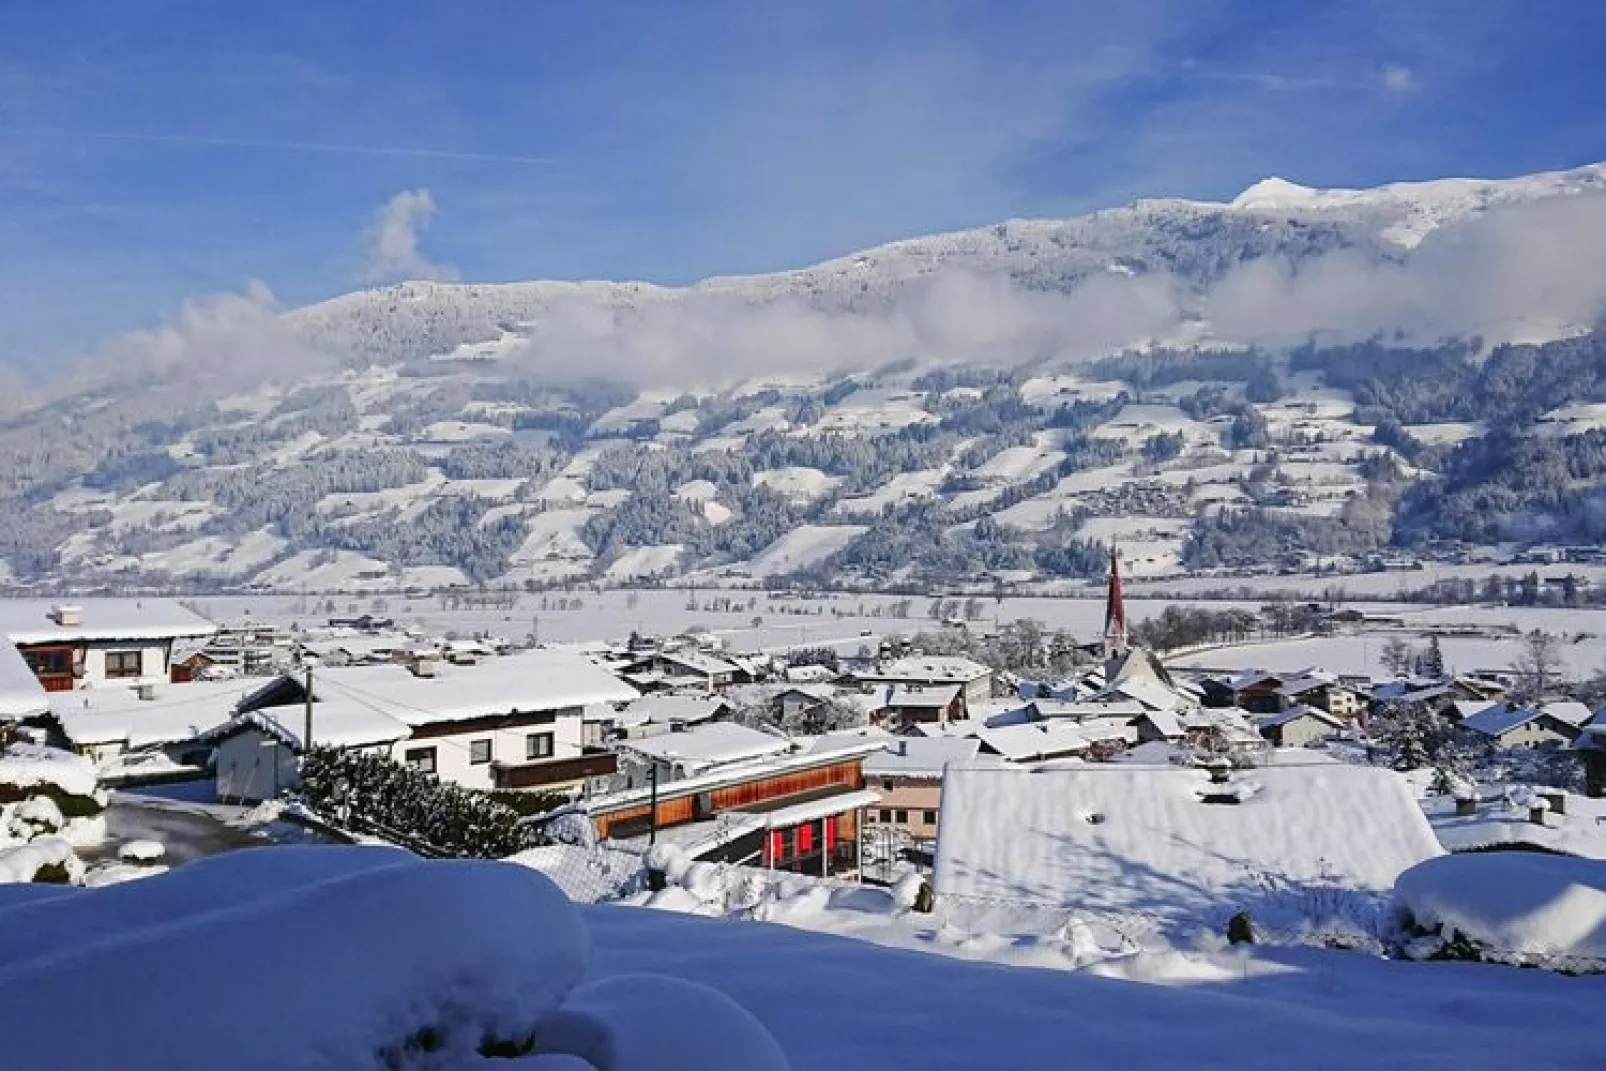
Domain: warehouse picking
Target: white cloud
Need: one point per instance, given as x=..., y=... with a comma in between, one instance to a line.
x=1397, y=79
x=393, y=253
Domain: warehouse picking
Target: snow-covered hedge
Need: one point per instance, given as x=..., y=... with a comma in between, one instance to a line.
x=339, y=958
x=1512, y=906
x=29, y=770
x=372, y=793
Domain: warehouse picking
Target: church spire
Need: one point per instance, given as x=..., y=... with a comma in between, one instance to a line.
x=1115, y=609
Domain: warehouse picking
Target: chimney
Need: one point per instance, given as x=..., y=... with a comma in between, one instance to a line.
x=146, y=692
x=68, y=616
x=426, y=664
x=903, y=748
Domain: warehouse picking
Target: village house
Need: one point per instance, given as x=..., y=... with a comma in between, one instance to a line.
x=1509, y=726
x=797, y=812
x=904, y=705
x=908, y=773
x=974, y=680
x=690, y=751
x=797, y=699
x=1322, y=690
x=1298, y=726
x=99, y=642
x=149, y=733
x=511, y=722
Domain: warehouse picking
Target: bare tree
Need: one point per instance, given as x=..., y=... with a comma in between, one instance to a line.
x=1396, y=656
x=1538, y=666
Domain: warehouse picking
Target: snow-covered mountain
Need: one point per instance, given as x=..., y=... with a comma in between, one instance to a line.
x=987, y=406
x=1191, y=244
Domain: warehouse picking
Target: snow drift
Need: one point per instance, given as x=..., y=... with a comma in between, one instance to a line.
x=1513, y=905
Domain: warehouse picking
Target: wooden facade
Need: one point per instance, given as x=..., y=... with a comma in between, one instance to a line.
x=554, y=771
x=677, y=806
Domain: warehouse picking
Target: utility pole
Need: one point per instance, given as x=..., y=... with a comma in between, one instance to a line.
x=306, y=730
x=652, y=814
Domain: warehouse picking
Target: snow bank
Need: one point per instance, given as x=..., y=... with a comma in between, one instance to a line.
x=1513, y=905
x=24, y=862
x=437, y=962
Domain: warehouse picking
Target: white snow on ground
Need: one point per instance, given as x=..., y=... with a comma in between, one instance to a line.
x=696, y=491
x=1363, y=654
x=389, y=498
x=872, y=412
x=461, y=431
x=903, y=487
x=802, y=547
x=1018, y=463
x=1515, y=904
x=1136, y=424
x=1572, y=419
x=845, y=1005
x=489, y=955
x=562, y=491
x=1448, y=433
x=1061, y=390
x=1580, y=830
x=217, y=556
x=645, y=561
x=325, y=570
x=798, y=483
x=1308, y=839
x=554, y=533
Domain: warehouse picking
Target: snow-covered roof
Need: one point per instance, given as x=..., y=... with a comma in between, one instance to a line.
x=21, y=694
x=733, y=775
x=813, y=810
x=1568, y=710
x=931, y=669
x=1129, y=839
x=1078, y=710
x=1499, y=719
x=921, y=756
x=1308, y=680
x=1035, y=740
x=1271, y=721
x=550, y=679
x=337, y=724
x=665, y=709
x=25, y=621
x=903, y=695
x=707, y=665
x=715, y=744
x=1165, y=722
x=177, y=712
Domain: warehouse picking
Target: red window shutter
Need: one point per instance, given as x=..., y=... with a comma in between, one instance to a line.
x=805, y=839
x=830, y=833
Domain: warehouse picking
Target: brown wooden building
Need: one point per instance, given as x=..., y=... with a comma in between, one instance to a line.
x=799, y=813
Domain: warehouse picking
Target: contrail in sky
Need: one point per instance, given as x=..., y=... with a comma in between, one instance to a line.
x=286, y=146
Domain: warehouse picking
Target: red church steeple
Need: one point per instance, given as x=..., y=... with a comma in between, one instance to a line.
x=1115, y=609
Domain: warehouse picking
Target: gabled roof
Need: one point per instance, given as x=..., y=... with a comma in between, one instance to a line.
x=666, y=709
x=715, y=744
x=1035, y=740
x=901, y=695
x=1499, y=719
x=335, y=724
x=21, y=694
x=28, y=621
x=92, y=716
x=1570, y=711
x=696, y=661
x=933, y=669
x=920, y=756
x=1271, y=721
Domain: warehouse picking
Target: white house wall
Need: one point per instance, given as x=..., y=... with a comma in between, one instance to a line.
x=153, y=661
x=452, y=752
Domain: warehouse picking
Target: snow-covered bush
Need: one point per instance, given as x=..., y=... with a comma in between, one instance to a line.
x=376, y=794
x=1515, y=906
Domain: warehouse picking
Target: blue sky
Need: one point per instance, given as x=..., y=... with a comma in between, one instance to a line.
x=156, y=149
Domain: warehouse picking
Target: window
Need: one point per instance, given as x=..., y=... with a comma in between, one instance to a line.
x=50, y=661
x=886, y=815
x=479, y=752
x=903, y=817
x=930, y=817
x=421, y=758
x=538, y=746
x=886, y=784
x=123, y=663
x=871, y=815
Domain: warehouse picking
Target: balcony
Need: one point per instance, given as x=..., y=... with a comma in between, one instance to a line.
x=595, y=762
